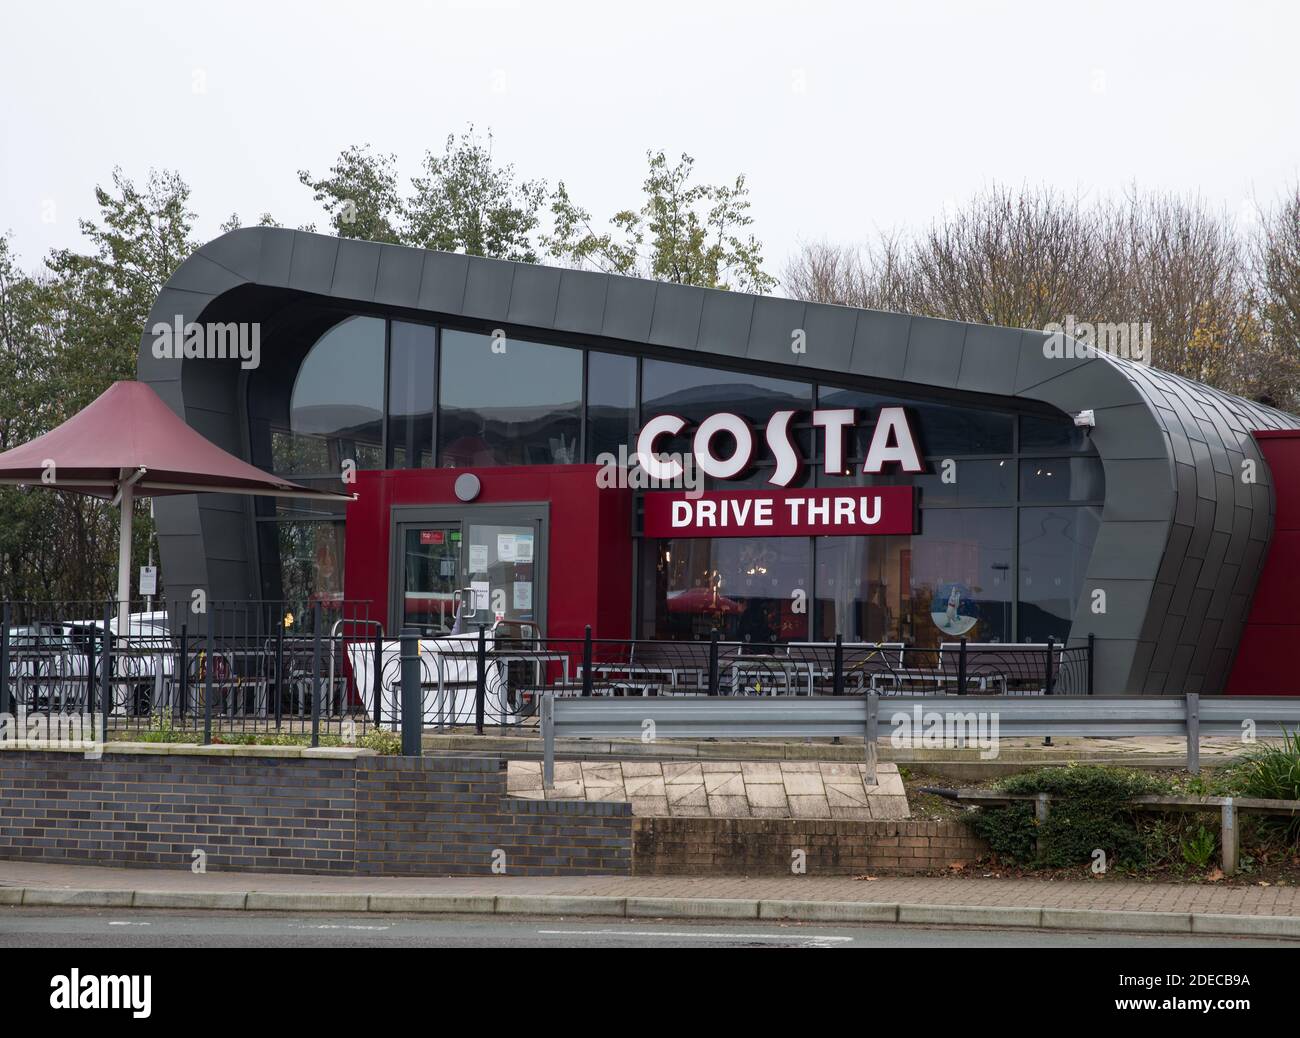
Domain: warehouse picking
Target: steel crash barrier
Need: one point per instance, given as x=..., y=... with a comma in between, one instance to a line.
x=975, y=719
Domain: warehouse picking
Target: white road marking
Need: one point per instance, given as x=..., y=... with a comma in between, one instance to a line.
x=123, y=922
x=335, y=926
x=820, y=939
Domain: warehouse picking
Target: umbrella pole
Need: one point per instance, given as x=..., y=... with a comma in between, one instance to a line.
x=124, y=561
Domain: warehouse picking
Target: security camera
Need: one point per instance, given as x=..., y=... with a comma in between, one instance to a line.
x=1085, y=420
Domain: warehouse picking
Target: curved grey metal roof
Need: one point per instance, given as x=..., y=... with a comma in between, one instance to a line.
x=1183, y=535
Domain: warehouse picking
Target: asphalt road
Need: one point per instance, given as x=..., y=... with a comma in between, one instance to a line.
x=126, y=928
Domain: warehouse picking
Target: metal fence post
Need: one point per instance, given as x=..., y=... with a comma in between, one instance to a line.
x=961, y=667
x=713, y=662
x=184, y=664
x=548, y=740
x=1049, y=678
x=1092, y=648
x=586, y=662
x=379, y=675
x=4, y=663
x=837, y=678
x=480, y=681
x=1193, y=733
x=106, y=675
x=1229, y=836
x=412, y=696
x=279, y=671
x=207, y=682
x=873, y=734
x=315, y=673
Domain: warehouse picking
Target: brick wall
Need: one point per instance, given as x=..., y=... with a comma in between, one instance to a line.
x=368, y=815
x=765, y=846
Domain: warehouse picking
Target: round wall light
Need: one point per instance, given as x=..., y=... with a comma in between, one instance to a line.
x=468, y=486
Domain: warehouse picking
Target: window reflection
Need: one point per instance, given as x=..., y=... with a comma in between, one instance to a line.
x=518, y=404
x=1055, y=545
x=750, y=589
x=611, y=404
x=336, y=407
x=695, y=392
x=411, y=379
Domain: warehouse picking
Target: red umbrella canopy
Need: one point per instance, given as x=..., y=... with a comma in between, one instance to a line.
x=129, y=428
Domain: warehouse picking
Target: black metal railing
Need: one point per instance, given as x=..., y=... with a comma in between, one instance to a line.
x=326, y=671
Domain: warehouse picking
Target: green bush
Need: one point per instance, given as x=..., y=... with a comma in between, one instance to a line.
x=1272, y=772
x=1198, y=847
x=1089, y=812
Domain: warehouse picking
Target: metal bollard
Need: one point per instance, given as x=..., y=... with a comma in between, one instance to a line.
x=412, y=695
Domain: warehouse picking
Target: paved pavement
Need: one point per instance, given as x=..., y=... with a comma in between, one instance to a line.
x=1111, y=904
x=133, y=928
x=722, y=789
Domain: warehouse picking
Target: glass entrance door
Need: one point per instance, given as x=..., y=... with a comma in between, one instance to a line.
x=496, y=551
x=501, y=561
x=430, y=573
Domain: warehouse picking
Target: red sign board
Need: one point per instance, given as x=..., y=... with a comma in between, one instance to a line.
x=781, y=513
x=432, y=536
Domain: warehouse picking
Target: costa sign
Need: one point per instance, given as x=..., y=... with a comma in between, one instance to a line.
x=780, y=513
x=892, y=442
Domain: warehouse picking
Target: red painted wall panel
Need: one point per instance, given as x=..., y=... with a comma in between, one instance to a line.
x=1266, y=661
x=589, y=561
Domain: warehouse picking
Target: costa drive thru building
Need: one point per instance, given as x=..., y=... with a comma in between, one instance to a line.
x=818, y=470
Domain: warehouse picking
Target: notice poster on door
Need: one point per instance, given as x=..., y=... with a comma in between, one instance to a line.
x=432, y=536
x=478, y=558
x=524, y=547
x=507, y=547
x=482, y=595
x=523, y=596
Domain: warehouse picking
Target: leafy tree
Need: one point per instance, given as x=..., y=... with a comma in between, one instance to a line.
x=685, y=233
x=464, y=203
x=361, y=196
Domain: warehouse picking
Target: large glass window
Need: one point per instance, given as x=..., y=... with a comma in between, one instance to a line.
x=411, y=387
x=941, y=428
x=336, y=407
x=1055, y=545
x=507, y=402
x=1062, y=479
x=694, y=392
x=751, y=589
x=611, y=404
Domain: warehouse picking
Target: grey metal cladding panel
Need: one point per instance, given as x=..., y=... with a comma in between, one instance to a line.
x=228, y=581
x=1171, y=561
x=275, y=259
x=1042, y=357
x=1127, y=432
x=989, y=359
x=1215, y=553
x=771, y=332
x=1126, y=606
x=1186, y=477
x=830, y=331
x=629, y=308
x=1261, y=520
x=240, y=252
x=181, y=512
x=580, y=307
x=1091, y=384
x=1179, y=666
x=212, y=385
x=200, y=274
x=1202, y=528
x=1157, y=610
x=1138, y=491
x=1128, y=551
x=675, y=321
x=225, y=535
x=1225, y=500
x=880, y=345
x=1177, y=438
x=442, y=285
x=487, y=288
x=170, y=392
x=312, y=268
x=934, y=349
x=1241, y=522
x=400, y=273
x=1205, y=485
x=357, y=269
x=1115, y=667
x=725, y=323
x=534, y=295
x=221, y=429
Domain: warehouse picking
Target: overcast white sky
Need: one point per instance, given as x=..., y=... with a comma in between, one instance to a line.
x=846, y=118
